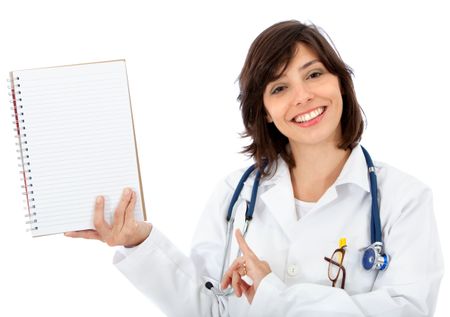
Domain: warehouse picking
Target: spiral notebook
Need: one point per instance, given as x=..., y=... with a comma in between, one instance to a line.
x=75, y=140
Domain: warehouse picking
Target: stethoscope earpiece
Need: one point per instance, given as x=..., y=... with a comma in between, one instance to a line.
x=374, y=258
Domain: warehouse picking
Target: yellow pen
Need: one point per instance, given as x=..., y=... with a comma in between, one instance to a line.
x=342, y=244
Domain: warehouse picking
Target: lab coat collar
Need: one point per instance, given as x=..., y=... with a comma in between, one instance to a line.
x=355, y=170
x=278, y=196
x=279, y=199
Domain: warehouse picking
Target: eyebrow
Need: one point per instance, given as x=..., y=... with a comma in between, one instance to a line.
x=306, y=65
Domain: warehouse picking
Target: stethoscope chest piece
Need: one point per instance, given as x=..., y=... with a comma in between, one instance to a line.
x=374, y=258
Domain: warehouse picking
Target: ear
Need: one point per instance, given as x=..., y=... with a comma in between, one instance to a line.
x=269, y=118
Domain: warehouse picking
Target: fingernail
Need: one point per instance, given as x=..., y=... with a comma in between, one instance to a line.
x=99, y=199
x=126, y=192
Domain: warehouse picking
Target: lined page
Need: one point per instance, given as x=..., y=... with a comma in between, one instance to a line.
x=80, y=141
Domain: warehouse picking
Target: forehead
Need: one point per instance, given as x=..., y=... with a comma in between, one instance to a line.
x=304, y=52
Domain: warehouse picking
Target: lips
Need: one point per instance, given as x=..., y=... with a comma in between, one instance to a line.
x=309, y=115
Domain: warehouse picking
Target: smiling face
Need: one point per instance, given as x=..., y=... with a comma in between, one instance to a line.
x=305, y=103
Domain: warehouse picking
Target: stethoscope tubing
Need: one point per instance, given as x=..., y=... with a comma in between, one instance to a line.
x=375, y=232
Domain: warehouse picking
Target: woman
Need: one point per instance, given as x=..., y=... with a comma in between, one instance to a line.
x=299, y=107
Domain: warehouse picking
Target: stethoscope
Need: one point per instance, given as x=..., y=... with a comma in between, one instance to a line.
x=373, y=258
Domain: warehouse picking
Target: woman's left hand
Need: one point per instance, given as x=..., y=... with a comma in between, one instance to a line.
x=247, y=264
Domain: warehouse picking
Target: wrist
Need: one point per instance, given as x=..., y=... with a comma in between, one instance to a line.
x=142, y=232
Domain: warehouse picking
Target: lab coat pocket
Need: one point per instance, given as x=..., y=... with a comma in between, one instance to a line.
x=314, y=267
x=358, y=280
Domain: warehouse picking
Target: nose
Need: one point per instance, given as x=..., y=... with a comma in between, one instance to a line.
x=302, y=94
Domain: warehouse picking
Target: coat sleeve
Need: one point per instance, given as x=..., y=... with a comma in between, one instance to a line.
x=174, y=281
x=409, y=287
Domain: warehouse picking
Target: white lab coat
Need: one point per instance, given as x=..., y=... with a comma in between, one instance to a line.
x=295, y=250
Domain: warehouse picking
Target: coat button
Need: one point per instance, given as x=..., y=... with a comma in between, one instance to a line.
x=292, y=270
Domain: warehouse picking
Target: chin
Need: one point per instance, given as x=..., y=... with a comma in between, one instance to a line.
x=316, y=140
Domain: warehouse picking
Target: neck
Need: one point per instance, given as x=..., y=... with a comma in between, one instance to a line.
x=316, y=169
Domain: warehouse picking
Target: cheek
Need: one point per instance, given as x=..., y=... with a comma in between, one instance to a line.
x=275, y=109
x=337, y=110
x=340, y=103
x=271, y=111
x=275, y=115
x=334, y=94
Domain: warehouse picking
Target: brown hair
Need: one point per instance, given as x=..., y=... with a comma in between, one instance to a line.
x=271, y=51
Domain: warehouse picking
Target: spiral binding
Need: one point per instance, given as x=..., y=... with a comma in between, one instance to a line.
x=22, y=150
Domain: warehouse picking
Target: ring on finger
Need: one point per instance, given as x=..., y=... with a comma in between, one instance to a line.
x=244, y=269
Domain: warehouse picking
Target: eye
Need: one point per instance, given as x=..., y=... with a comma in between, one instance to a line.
x=314, y=74
x=277, y=90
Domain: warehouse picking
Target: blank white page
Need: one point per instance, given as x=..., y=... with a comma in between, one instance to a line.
x=80, y=141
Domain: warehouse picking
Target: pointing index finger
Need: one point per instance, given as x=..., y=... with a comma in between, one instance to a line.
x=243, y=246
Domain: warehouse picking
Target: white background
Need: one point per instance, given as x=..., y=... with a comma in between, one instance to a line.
x=183, y=59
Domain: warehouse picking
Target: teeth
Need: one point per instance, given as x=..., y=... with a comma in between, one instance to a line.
x=310, y=115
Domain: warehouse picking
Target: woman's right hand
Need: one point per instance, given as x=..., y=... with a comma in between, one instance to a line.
x=125, y=230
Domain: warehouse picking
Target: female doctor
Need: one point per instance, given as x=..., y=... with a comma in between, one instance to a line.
x=306, y=249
